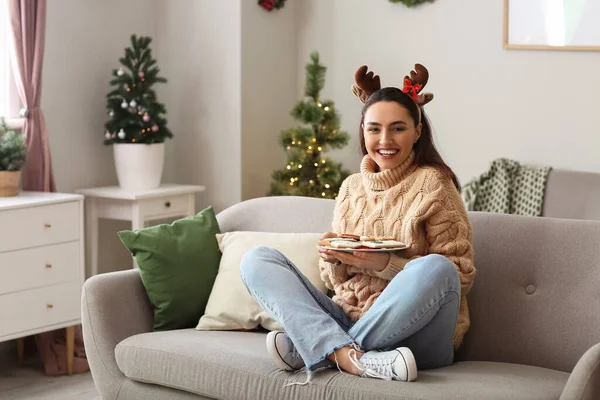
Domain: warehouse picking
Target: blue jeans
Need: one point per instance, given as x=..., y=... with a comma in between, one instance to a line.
x=418, y=309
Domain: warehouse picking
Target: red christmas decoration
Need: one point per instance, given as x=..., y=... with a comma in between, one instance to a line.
x=411, y=88
x=269, y=5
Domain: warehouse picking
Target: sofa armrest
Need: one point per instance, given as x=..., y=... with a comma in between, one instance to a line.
x=114, y=306
x=584, y=382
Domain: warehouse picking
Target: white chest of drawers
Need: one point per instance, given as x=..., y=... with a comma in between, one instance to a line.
x=41, y=264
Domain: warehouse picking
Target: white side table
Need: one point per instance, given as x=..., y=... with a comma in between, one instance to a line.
x=112, y=202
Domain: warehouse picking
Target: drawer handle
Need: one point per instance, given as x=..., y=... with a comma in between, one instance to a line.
x=168, y=204
x=49, y=306
x=47, y=226
x=48, y=266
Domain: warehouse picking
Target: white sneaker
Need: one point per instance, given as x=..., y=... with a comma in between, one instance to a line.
x=283, y=352
x=398, y=364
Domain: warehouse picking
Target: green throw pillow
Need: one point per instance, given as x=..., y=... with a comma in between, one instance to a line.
x=178, y=264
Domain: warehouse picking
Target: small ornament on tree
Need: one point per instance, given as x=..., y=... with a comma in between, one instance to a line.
x=308, y=172
x=129, y=98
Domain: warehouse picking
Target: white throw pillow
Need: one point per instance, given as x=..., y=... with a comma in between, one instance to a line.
x=230, y=306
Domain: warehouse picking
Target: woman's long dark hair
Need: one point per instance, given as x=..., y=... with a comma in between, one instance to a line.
x=425, y=151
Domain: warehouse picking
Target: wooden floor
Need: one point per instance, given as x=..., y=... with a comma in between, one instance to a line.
x=29, y=382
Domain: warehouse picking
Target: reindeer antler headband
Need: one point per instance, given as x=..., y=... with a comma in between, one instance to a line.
x=367, y=83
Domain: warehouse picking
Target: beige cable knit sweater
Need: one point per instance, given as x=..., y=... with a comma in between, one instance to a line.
x=420, y=207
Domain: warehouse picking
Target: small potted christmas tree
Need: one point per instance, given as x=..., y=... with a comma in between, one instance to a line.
x=137, y=127
x=13, y=154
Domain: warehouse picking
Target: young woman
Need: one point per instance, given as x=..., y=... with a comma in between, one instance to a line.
x=391, y=313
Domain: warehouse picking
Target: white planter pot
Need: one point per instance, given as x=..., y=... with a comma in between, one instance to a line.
x=139, y=166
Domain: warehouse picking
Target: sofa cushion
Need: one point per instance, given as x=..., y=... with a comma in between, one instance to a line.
x=573, y=195
x=537, y=280
x=178, y=263
x=235, y=365
x=230, y=305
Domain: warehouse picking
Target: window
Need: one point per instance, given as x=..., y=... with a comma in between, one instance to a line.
x=9, y=99
x=3, y=60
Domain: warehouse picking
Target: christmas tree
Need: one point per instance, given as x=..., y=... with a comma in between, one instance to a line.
x=135, y=114
x=308, y=172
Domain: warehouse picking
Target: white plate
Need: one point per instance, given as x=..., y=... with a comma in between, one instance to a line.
x=389, y=249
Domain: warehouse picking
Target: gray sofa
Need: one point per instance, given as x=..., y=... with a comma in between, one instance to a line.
x=535, y=323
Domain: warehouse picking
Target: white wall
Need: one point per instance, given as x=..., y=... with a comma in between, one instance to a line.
x=232, y=72
x=269, y=70
x=200, y=43
x=84, y=40
x=528, y=105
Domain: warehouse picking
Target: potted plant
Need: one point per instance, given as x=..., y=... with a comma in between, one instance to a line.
x=13, y=154
x=137, y=128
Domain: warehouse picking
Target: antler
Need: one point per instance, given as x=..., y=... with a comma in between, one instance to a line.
x=366, y=83
x=420, y=75
x=415, y=84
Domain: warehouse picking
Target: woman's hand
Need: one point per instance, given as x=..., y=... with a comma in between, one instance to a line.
x=323, y=253
x=361, y=259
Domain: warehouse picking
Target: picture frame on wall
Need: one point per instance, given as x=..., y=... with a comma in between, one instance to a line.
x=552, y=25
